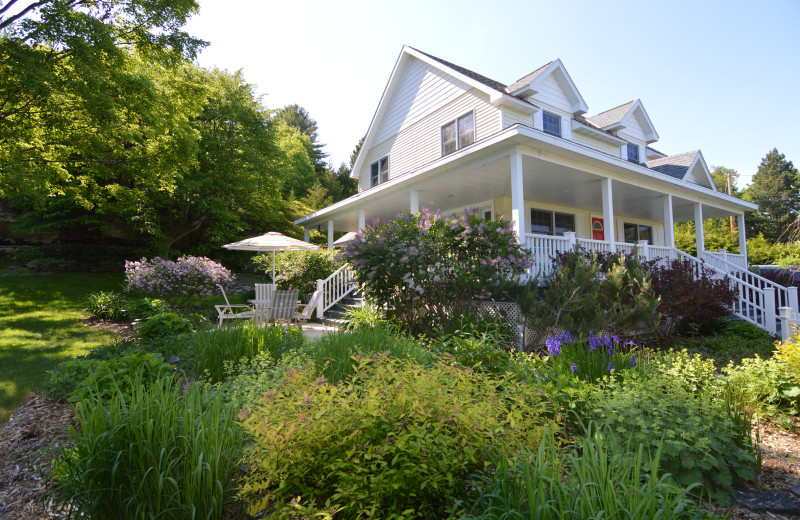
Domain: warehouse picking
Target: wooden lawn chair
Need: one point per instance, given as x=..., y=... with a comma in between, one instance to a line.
x=232, y=311
x=262, y=303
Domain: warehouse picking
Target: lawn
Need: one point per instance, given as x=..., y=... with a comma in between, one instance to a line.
x=40, y=326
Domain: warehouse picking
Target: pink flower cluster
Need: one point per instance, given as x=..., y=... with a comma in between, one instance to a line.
x=188, y=276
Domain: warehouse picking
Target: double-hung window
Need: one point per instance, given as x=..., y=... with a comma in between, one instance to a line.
x=458, y=134
x=379, y=172
x=551, y=222
x=551, y=123
x=636, y=232
x=633, y=153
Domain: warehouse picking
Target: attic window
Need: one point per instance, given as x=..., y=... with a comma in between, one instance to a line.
x=379, y=171
x=551, y=123
x=458, y=134
x=633, y=153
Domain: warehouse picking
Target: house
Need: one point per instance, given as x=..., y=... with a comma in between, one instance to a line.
x=447, y=138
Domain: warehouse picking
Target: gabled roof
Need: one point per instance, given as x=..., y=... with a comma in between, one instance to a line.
x=470, y=74
x=530, y=85
x=682, y=165
x=619, y=117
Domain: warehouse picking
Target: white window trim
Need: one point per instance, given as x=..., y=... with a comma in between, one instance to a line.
x=552, y=211
x=560, y=123
x=459, y=146
x=379, y=181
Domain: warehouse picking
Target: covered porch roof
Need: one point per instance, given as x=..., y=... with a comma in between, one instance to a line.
x=555, y=171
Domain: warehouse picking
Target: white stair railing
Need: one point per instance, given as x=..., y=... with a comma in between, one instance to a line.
x=785, y=296
x=334, y=288
x=754, y=304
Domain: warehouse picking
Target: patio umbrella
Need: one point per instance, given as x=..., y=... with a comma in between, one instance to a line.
x=272, y=241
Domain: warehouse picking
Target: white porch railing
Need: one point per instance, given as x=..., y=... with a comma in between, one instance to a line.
x=759, y=301
x=790, y=320
x=739, y=261
x=334, y=288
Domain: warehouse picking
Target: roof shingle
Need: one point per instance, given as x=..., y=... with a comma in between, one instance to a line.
x=470, y=74
x=526, y=80
x=674, y=165
x=611, y=116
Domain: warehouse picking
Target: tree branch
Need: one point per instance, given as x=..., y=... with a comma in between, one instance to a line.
x=8, y=21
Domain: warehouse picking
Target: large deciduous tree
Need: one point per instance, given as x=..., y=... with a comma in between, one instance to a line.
x=776, y=190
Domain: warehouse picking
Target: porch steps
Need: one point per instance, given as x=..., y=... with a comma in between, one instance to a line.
x=336, y=316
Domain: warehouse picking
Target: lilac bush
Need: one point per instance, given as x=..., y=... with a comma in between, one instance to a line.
x=176, y=281
x=427, y=265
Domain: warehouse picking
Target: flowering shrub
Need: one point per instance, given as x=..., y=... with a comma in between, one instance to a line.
x=690, y=300
x=426, y=265
x=177, y=282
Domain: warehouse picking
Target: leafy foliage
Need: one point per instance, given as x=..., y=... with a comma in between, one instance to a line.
x=600, y=476
x=67, y=376
x=775, y=190
x=425, y=266
x=691, y=299
x=593, y=292
x=121, y=374
x=737, y=340
x=702, y=440
x=162, y=325
x=769, y=386
x=394, y=441
x=299, y=269
x=593, y=358
x=366, y=316
x=107, y=305
x=155, y=451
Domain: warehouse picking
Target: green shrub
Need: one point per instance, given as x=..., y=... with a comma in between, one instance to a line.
x=767, y=386
x=477, y=350
x=789, y=353
x=600, y=477
x=247, y=380
x=703, y=440
x=154, y=452
x=50, y=265
x=366, y=316
x=106, y=305
x=67, y=376
x=735, y=341
x=395, y=441
x=593, y=292
x=144, y=308
x=161, y=325
x=208, y=353
x=121, y=374
x=333, y=354
x=300, y=269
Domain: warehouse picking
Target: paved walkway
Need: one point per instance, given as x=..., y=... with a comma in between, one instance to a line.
x=315, y=330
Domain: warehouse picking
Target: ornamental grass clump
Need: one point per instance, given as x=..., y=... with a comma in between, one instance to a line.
x=176, y=281
x=427, y=268
x=594, y=357
x=395, y=440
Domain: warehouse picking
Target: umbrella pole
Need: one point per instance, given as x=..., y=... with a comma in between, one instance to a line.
x=273, y=271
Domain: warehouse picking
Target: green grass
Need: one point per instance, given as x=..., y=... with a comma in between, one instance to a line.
x=40, y=326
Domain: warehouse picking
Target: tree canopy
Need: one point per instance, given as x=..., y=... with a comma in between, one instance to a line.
x=776, y=190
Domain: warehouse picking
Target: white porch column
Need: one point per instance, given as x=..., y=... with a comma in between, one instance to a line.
x=414, y=202
x=330, y=234
x=742, y=236
x=306, y=234
x=608, y=214
x=517, y=197
x=698, y=230
x=362, y=219
x=669, y=223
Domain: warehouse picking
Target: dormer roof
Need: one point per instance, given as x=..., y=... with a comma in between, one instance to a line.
x=687, y=166
x=620, y=117
x=530, y=85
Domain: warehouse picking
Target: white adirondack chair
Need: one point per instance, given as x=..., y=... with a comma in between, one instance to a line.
x=262, y=305
x=308, y=309
x=232, y=311
x=284, y=306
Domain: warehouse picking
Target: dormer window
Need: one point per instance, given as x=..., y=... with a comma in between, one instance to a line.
x=551, y=123
x=633, y=153
x=379, y=171
x=458, y=134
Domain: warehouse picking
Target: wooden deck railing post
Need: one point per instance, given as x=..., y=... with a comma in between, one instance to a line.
x=321, y=303
x=769, y=310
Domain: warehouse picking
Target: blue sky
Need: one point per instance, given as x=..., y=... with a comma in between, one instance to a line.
x=723, y=77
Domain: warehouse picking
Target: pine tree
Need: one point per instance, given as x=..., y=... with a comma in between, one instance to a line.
x=776, y=190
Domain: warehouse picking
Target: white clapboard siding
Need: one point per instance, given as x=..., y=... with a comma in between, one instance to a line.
x=596, y=144
x=550, y=93
x=512, y=117
x=633, y=131
x=420, y=90
x=421, y=143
